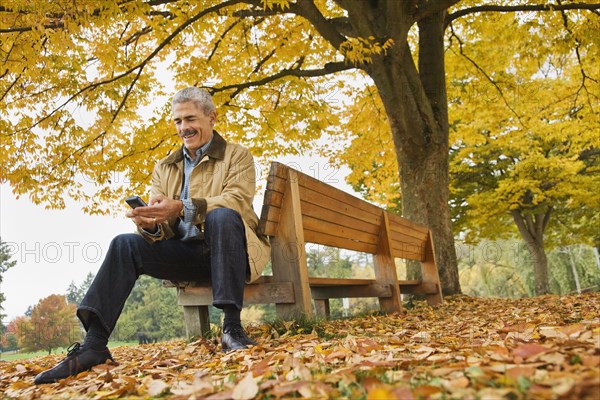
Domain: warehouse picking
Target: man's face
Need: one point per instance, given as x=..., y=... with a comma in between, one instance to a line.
x=193, y=126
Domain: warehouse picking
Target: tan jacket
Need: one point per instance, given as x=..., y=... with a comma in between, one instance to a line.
x=225, y=177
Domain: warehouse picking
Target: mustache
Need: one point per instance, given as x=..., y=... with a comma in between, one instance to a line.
x=189, y=131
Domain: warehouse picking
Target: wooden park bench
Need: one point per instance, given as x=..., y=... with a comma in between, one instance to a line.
x=299, y=209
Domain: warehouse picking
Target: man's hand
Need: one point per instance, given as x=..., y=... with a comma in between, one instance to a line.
x=148, y=224
x=160, y=208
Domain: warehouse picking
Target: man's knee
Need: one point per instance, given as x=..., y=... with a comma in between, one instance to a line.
x=222, y=215
x=125, y=240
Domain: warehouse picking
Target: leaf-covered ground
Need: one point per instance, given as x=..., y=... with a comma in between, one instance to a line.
x=544, y=347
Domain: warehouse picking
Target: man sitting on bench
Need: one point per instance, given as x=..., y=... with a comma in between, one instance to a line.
x=199, y=225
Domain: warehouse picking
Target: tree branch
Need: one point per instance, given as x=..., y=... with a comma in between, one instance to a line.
x=263, y=61
x=428, y=7
x=56, y=25
x=218, y=42
x=530, y=225
x=523, y=7
x=252, y=13
x=328, y=69
x=96, y=12
x=9, y=88
x=485, y=74
x=588, y=153
x=82, y=149
x=521, y=225
x=341, y=24
x=584, y=76
x=308, y=10
x=126, y=95
x=143, y=63
x=545, y=221
x=152, y=3
x=135, y=36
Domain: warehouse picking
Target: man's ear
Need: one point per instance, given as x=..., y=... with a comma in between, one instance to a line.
x=213, y=117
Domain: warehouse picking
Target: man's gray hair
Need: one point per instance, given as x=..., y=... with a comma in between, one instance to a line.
x=200, y=97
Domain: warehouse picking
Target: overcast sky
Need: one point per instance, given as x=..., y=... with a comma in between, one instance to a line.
x=51, y=248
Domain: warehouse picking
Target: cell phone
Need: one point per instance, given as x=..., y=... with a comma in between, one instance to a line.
x=135, y=201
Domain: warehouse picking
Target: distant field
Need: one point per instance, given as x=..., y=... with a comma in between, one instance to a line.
x=23, y=356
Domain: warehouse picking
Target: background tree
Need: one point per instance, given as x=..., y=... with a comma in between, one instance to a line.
x=498, y=268
x=76, y=293
x=22, y=328
x=29, y=311
x=52, y=324
x=72, y=295
x=5, y=264
x=523, y=100
x=9, y=339
x=573, y=269
x=328, y=262
x=150, y=311
x=526, y=151
x=103, y=58
x=503, y=268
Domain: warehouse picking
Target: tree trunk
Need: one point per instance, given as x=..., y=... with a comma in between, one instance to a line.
x=540, y=267
x=532, y=229
x=417, y=111
x=416, y=106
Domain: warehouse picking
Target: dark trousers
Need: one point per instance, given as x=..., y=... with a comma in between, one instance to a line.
x=221, y=257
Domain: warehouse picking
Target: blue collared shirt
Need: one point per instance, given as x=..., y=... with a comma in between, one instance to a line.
x=187, y=229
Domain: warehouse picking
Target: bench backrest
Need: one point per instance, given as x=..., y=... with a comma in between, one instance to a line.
x=335, y=218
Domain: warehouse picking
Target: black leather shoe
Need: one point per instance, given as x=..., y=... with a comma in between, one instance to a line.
x=235, y=339
x=78, y=359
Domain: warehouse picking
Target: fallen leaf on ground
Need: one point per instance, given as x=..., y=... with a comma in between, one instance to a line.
x=541, y=347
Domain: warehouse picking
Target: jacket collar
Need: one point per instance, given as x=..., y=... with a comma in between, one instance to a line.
x=215, y=150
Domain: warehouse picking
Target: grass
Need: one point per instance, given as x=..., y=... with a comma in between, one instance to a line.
x=61, y=350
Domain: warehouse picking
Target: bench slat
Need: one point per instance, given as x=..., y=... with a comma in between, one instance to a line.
x=256, y=293
x=312, y=194
x=270, y=228
x=308, y=195
x=336, y=241
x=415, y=251
x=318, y=281
x=409, y=255
x=319, y=225
x=407, y=236
x=422, y=288
x=401, y=224
x=340, y=217
x=337, y=194
x=402, y=246
x=325, y=214
x=278, y=176
x=351, y=291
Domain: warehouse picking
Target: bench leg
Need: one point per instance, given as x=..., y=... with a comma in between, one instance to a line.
x=322, y=308
x=288, y=254
x=385, y=269
x=196, y=321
